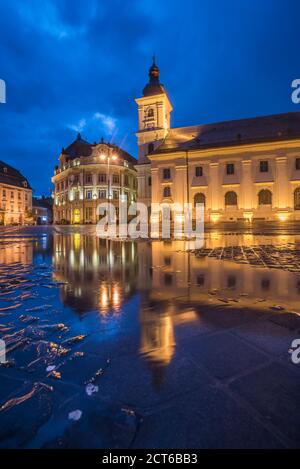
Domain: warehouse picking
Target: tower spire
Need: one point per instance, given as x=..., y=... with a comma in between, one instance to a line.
x=154, y=86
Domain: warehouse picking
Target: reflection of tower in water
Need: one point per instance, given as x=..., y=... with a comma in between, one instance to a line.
x=157, y=339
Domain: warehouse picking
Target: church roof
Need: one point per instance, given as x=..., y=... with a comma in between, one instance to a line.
x=82, y=148
x=236, y=132
x=78, y=148
x=12, y=177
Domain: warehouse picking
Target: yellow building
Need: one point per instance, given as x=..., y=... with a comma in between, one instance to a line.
x=15, y=196
x=89, y=174
x=245, y=169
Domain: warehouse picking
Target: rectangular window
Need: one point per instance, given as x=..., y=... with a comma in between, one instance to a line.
x=115, y=194
x=88, y=195
x=264, y=166
x=4, y=193
x=297, y=162
x=149, y=181
x=89, y=213
x=126, y=181
x=199, y=171
x=102, y=177
x=166, y=173
x=102, y=194
x=88, y=179
x=12, y=195
x=116, y=179
x=230, y=168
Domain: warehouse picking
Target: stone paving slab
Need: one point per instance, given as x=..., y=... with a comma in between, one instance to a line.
x=143, y=386
x=274, y=392
x=223, y=354
x=267, y=335
x=206, y=418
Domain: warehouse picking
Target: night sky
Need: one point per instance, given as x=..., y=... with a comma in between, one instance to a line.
x=77, y=65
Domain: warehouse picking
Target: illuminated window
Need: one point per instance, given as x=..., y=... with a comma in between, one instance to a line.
x=116, y=179
x=102, y=194
x=89, y=195
x=102, y=177
x=265, y=197
x=297, y=199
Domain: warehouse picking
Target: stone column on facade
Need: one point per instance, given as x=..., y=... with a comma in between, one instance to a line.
x=281, y=183
x=155, y=189
x=159, y=110
x=180, y=187
x=246, y=186
x=214, y=187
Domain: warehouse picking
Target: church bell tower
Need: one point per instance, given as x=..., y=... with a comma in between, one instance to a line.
x=154, y=109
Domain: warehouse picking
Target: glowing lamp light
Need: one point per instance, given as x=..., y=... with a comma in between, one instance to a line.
x=215, y=217
x=114, y=157
x=102, y=157
x=248, y=216
x=179, y=217
x=283, y=216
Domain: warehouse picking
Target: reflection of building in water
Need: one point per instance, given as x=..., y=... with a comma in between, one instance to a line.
x=174, y=284
x=175, y=273
x=16, y=252
x=99, y=273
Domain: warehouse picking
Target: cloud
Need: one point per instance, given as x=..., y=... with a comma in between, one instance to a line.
x=77, y=66
x=79, y=126
x=109, y=123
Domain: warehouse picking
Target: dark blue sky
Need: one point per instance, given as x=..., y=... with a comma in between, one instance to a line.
x=78, y=65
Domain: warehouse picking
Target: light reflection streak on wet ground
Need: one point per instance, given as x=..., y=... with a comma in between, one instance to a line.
x=130, y=316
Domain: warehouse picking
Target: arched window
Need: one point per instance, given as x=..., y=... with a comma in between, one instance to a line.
x=230, y=198
x=199, y=199
x=150, y=147
x=297, y=199
x=167, y=191
x=265, y=197
x=150, y=112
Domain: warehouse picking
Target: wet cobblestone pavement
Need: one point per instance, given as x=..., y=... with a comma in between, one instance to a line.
x=140, y=345
x=285, y=257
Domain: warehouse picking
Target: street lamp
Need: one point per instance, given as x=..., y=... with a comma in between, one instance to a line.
x=104, y=157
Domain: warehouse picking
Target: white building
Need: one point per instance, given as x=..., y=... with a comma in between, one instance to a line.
x=246, y=169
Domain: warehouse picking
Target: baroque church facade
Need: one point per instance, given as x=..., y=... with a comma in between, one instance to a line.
x=246, y=169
